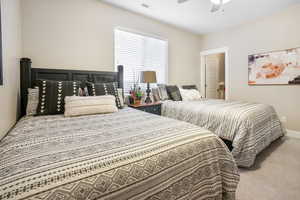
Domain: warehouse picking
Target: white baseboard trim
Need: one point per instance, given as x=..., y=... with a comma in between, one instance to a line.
x=293, y=134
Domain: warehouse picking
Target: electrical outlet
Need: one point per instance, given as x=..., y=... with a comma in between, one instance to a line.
x=283, y=119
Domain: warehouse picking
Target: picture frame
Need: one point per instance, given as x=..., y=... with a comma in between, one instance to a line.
x=275, y=68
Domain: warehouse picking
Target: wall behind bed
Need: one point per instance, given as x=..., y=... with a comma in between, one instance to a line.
x=278, y=32
x=11, y=38
x=79, y=33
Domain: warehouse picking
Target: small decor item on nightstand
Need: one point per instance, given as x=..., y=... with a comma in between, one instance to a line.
x=148, y=77
x=136, y=95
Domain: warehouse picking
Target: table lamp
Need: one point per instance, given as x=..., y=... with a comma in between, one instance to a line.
x=148, y=77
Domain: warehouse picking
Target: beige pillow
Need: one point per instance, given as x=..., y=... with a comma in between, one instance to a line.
x=77, y=106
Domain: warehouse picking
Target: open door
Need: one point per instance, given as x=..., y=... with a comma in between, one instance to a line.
x=215, y=76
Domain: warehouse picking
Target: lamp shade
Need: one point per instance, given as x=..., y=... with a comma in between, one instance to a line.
x=148, y=77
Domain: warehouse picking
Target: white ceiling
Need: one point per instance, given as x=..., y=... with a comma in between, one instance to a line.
x=195, y=15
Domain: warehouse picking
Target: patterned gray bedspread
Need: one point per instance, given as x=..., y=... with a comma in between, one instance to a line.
x=126, y=155
x=251, y=127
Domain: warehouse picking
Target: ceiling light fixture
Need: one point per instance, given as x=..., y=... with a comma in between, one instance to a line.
x=217, y=2
x=145, y=5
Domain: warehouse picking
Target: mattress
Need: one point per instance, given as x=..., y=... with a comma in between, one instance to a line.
x=250, y=127
x=125, y=155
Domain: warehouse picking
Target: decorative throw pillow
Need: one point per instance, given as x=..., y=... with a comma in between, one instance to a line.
x=190, y=87
x=163, y=94
x=100, y=89
x=190, y=95
x=52, y=95
x=78, y=106
x=155, y=93
x=81, y=92
x=121, y=96
x=85, y=91
x=32, y=101
x=174, y=93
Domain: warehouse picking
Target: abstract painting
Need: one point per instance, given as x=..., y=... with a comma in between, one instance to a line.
x=275, y=68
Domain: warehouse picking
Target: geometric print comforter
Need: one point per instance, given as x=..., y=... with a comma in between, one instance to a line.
x=125, y=155
x=250, y=127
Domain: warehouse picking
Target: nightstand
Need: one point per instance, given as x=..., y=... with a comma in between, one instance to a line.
x=154, y=108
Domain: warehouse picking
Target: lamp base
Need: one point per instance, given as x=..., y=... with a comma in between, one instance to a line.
x=148, y=99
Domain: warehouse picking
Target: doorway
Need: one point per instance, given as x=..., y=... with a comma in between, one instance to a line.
x=214, y=74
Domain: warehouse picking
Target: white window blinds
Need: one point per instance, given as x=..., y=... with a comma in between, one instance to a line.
x=140, y=53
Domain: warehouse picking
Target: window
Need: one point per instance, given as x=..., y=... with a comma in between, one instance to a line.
x=138, y=53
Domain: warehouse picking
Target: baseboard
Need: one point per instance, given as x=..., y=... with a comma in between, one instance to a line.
x=293, y=134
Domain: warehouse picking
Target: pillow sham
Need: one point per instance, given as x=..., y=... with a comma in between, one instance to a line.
x=52, y=95
x=100, y=89
x=155, y=94
x=32, y=101
x=190, y=95
x=174, y=93
x=190, y=87
x=78, y=106
x=121, y=96
x=163, y=94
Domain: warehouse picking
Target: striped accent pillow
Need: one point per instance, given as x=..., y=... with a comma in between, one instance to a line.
x=174, y=93
x=100, y=89
x=162, y=90
x=33, y=101
x=52, y=95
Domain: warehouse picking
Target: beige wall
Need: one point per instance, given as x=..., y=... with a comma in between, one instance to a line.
x=79, y=33
x=11, y=31
x=277, y=32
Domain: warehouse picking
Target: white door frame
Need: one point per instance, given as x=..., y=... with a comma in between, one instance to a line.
x=202, y=70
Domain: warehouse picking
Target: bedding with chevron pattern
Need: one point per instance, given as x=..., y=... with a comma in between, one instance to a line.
x=125, y=155
x=251, y=127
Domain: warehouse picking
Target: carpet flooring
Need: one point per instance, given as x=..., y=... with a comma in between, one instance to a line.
x=275, y=175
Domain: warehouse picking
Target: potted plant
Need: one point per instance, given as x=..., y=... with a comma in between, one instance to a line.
x=136, y=94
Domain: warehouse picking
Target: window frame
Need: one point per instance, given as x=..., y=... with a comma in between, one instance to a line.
x=145, y=35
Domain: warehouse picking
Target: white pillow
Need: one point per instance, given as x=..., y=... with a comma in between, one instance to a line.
x=32, y=102
x=121, y=96
x=77, y=106
x=190, y=95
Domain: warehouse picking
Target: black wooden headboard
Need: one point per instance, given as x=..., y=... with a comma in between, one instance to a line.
x=30, y=75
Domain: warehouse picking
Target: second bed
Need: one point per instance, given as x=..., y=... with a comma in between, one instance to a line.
x=250, y=127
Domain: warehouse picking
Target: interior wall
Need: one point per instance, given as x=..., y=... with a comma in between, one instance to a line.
x=278, y=32
x=11, y=43
x=78, y=34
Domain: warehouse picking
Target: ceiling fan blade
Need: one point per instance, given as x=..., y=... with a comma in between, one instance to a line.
x=216, y=7
x=181, y=1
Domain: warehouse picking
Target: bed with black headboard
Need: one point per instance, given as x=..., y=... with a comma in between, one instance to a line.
x=127, y=154
x=29, y=75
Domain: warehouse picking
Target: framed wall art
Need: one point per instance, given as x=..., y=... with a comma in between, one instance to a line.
x=275, y=68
